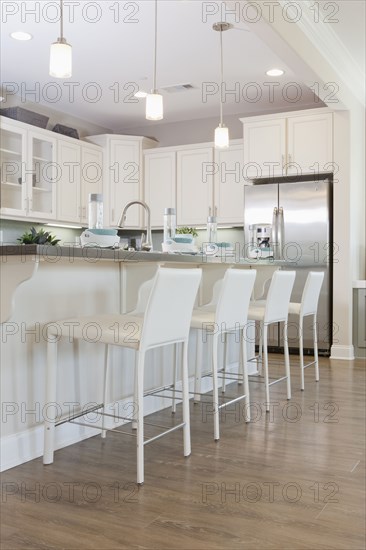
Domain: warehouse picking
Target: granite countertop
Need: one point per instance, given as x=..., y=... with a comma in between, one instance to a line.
x=119, y=255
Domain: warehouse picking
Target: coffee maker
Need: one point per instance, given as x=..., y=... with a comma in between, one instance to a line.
x=260, y=241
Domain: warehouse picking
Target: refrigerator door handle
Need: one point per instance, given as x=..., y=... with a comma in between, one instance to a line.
x=281, y=231
x=274, y=232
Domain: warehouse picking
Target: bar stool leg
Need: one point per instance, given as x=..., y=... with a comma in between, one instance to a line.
x=215, y=392
x=223, y=386
x=316, y=359
x=301, y=351
x=243, y=360
x=198, y=369
x=49, y=424
x=185, y=397
x=242, y=342
x=260, y=350
x=139, y=375
x=105, y=385
x=135, y=396
x=287, y=361
x=264, y=330
x=175, y=358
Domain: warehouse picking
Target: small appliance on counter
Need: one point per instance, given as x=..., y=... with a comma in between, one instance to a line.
x=103, y=238
x=260, y=241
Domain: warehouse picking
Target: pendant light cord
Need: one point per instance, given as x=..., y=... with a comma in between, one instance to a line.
x=155, y=45
x=61, y=20
x=222, y=78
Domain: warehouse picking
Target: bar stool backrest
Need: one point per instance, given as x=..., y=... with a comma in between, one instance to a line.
x=311, y=293
x=168, y=312
x=278, y=298
x=143, y=297
x=233, y=303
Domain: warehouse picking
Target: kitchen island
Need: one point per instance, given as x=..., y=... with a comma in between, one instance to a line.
x=43, y=284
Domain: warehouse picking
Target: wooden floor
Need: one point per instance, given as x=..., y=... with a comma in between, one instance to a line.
x=291, y=479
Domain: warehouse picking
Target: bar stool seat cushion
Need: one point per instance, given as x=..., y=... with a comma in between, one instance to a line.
x=294, y=308
x=122, y=330
x=256, y=312
x=200, y=316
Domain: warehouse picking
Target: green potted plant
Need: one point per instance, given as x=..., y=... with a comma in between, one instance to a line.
x=38, y=237
x=186, y=231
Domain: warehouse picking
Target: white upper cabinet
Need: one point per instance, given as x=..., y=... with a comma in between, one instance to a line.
x=229, y=184
x=122, y=176
x=197, y=180
x=28, y=172
x=125, y=181
x=288, y=144
x=160, y=186
x=310, y=143
x=81, y=167
x=68, y=185
x=194, y=185
x=91, y=177
x=264, y=148
x=42, y=151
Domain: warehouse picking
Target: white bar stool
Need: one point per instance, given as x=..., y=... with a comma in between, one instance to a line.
x=308, y=306
x=273, y=310
x=166, y=321
x=229, y=315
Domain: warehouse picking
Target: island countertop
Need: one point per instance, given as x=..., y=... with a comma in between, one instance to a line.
x=93, y=254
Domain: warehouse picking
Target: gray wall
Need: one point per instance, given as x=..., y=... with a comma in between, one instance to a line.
x=83, y=127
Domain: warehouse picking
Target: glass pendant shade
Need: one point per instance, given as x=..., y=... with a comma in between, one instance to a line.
x=154, y=106
x=222, y=137
x=61, y=59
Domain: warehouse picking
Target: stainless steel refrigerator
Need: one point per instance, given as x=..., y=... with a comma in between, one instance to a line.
x=295, y=216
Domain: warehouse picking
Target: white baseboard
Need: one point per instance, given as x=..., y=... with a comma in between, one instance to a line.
x=16, y=449
x=345, y=353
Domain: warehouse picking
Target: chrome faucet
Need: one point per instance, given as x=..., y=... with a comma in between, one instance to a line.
x=146, y=242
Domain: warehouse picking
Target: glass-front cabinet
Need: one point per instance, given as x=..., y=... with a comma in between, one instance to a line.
x=28, y=172
x=42, y=176
x=13, y=161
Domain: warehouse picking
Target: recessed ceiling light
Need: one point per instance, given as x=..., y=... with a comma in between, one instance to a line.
x=20, y=35
x=275, y=72
x=140, y=94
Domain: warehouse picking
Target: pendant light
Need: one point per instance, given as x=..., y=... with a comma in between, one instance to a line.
x=221, y=132
x=154, y=101
x=61, y=53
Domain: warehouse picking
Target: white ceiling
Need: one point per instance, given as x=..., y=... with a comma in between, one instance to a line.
x=110, y=55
